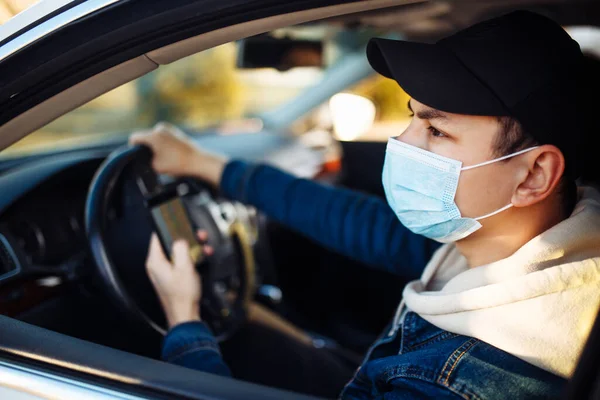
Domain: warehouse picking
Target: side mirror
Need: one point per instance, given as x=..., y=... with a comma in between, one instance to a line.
x=352, y=115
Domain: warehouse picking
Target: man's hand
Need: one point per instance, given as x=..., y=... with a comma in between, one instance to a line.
x=178, y=285
x=175, y=154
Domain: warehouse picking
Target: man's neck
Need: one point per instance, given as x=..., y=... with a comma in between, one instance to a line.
x=506, y=233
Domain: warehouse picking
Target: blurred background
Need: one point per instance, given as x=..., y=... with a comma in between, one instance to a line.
x=241, y=88
x=8, y=8
x=310, y=81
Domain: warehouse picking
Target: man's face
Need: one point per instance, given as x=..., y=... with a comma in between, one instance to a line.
x=468, y=139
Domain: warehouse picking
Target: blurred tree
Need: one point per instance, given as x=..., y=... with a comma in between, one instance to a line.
x=197, y=91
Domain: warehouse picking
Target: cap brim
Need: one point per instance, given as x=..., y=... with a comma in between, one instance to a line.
x=434, y=76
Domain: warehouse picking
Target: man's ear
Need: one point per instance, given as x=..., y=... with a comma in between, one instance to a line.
x=540, y=173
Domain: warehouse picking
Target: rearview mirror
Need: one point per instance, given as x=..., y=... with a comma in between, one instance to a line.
x=266, y=51
x=352, y=115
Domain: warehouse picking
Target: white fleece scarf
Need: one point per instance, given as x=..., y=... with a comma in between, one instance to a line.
x=538, y=304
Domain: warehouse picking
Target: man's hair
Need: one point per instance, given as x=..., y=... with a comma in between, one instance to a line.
x=512, y=137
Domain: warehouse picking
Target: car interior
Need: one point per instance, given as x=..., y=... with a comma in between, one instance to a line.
x=75, y=227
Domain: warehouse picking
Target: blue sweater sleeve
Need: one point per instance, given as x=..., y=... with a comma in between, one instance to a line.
x=356, y=225
x=192, y=345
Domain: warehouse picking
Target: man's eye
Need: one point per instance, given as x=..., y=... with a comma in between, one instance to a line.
x=435, y=132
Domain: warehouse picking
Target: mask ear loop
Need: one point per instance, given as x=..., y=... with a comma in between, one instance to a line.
x=494, y=213
x=491, y=162
x=499, y=159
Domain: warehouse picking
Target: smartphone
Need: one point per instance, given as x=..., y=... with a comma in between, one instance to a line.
x=169, y=215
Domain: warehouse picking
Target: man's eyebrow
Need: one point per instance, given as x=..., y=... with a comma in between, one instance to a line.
x=429, y=113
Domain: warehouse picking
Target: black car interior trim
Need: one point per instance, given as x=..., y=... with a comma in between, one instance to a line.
x=79, y=359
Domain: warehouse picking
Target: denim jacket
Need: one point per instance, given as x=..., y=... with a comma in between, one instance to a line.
x=421, y=361
x=411, y=360
x=416, y=361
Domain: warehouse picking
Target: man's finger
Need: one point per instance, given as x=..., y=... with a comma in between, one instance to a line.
x=208, y=250
x=181, y=254
x=202, y=236
x=164, y=126
x=157, y=264
x=156, y=253
x=140, y=137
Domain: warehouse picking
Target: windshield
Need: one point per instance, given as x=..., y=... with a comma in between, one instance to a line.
x=212, y=92
x=197, y=92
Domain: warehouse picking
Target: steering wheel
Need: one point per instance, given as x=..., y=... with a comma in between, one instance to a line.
x=227, y=279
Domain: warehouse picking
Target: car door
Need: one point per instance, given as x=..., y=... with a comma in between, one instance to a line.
x=57, y=57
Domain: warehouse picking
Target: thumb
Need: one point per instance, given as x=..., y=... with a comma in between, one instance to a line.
x=157, y=265
x=156, y=253
x=181, y=254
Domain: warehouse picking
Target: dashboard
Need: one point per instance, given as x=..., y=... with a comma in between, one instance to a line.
x=43, y=244
x=47, y=224
x=41, y=231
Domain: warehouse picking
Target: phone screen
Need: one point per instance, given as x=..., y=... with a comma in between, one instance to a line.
x=168, y=212
x=172, y=223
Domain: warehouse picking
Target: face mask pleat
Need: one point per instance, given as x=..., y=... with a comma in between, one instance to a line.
x=430, y=187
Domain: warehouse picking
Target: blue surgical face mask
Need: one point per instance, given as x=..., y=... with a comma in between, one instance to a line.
x=420, y=187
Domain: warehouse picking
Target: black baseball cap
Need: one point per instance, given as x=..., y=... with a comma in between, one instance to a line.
x=522, y=65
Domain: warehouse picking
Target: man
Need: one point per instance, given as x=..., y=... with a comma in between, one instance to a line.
x=488, y=167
